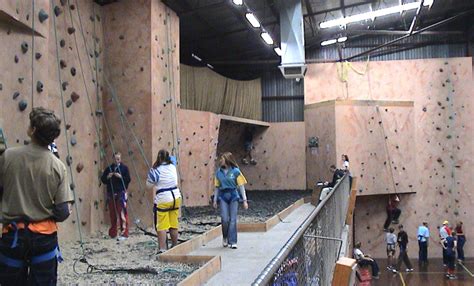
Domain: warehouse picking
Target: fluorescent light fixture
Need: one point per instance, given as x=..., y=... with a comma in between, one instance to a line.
x=373, y=14
x=278, y=51
x=210, y=66
x=267, y=38
x=196, y=57
x=253, y=20
x=328, y=42
x=341, y=39
x=238, y=2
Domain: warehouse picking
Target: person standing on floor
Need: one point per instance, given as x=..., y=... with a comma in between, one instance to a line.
x=393, y=212
x=444, y=232
x=117, y=178
x=423, y=238
x=229, y=181
x=163, y=178
x=391, y=240
x=449, y=245
x=461, y=240
x=402, y=240
x=36, y=196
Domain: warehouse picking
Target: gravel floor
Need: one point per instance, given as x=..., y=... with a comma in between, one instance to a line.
x=139, y=251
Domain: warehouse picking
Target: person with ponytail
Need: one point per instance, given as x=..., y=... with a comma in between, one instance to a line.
x=229, y=181
x=163, y=178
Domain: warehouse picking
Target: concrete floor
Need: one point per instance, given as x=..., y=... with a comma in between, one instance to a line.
x=432, y=274
x=241, y=266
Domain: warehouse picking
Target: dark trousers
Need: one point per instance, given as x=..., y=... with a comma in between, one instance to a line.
x=373, y=264
x=118, y=213
x=29, y=245
x=450, y=259
x=403, y=258
x=445, y=257
x=423, y=251
x=460, y=247
x=391, y=215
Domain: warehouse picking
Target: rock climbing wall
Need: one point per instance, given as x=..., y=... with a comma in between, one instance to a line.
x=197, y=151
x=31, y=37
x=321, y=124
x=141, y=100
x=278, y=150
x=441, y=91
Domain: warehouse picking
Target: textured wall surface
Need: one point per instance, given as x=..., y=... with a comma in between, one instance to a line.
x=441, y=91
x=142, y=67
x=78, y=76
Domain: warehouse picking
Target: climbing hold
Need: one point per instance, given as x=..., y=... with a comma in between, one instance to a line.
x=440, y=70
x=71, y=30
x=62, y=43
x=39, y=86
x=22, y=105
x=72, y=7
x=62, y=63
x=64, y=85
x=42, y=16
x=26, y=142
x=24, y=47
x=1, y=86
x=98, y=112
x=37, y=56
x=91, y=18
x=16, y=59
x=68, y=103
x=96, y=53
x=121, y=37
x=73, y=141
x=21, y=79
x=57, y=11
x=68, y=126
x=74, y=96
x=130, y=111
x=16, y=94
x=69, y=161
x=424, y=109
x=73, y=71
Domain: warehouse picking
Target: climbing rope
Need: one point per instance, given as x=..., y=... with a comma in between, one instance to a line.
x=32, y=52
x=81, y=241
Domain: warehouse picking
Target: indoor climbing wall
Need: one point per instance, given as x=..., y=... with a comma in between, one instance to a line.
x=374, y=136
x=278, y=150
x=36, y=42
x=141, y=90
x=320, y=126
x=441, y=92
x=198, y=144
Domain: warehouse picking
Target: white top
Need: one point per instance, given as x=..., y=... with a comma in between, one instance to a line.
x=443, y=233
x=358, y=254
x=164, y=177
x=391, y=238
x=346, y=165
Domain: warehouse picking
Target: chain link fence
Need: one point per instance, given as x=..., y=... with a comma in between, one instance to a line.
x=310, y=255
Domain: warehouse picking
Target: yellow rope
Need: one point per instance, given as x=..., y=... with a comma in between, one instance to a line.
x=343, y=69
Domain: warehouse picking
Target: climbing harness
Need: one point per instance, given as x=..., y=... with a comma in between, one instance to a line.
x=174, y=200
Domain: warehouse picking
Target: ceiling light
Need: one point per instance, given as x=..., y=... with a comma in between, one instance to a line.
x=374, y=14
x=278, y=51
x=328, y=42
x=196, y=57
x=341, y=39
x=267, y=38
x=253, y=20
x=238, y=2
x=210, y=66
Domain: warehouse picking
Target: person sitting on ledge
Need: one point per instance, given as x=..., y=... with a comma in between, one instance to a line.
x=365, y=259
x=328, y=186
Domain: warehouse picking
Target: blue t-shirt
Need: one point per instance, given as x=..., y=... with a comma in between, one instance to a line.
x=423, y=233
x=449, y=244
x=231, y=180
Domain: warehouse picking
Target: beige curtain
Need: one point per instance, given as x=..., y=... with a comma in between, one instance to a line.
x=202, y=89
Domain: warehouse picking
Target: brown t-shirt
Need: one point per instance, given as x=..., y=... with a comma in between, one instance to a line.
x=33, y=181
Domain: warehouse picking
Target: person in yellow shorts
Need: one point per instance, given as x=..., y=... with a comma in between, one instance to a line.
x=163, y=178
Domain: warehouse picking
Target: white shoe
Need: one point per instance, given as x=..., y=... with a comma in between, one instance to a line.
x=233, y=246
x=224, y=242
x=122, y=238
x=409, y=270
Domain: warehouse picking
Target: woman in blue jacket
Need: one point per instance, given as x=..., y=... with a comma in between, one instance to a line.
x=229, y=181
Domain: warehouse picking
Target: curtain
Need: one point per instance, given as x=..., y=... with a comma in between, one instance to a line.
x=202, y=89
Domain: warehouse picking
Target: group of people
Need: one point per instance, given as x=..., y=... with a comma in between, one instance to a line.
x=35, y=195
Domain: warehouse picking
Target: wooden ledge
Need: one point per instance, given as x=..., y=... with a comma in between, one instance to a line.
x=244, y=120
x=356, y=102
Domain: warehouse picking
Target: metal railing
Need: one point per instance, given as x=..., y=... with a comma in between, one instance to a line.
x=310, y=255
